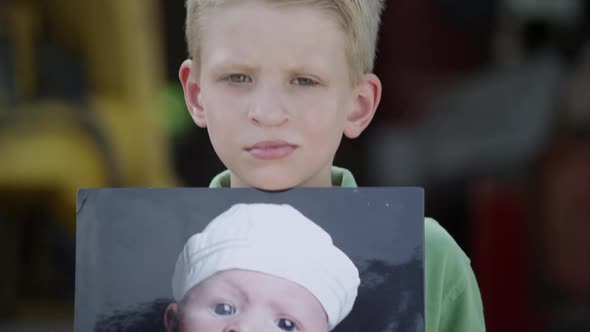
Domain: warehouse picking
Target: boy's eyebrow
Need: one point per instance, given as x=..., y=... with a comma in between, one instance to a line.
x=232, y=64
x=229, y=63
x=309, y=69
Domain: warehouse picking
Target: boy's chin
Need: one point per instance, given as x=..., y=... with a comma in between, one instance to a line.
x=275, y=185
x=278, y=177
x=272, y=183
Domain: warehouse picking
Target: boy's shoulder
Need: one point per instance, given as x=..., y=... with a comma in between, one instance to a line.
x=453, y=299
x=441, y=243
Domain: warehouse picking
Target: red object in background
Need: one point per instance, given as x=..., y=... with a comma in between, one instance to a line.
x=565, y=217
x=523, y=253
x=500, y=242
x=419, y=51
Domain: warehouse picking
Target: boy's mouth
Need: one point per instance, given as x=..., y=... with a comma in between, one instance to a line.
x=269, y=150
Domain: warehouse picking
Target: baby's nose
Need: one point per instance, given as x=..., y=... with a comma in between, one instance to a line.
x=248, y=324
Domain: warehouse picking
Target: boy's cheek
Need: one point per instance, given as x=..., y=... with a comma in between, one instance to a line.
x=222, y=101
x=322, y=114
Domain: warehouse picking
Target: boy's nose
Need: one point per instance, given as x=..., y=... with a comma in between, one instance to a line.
x=267, y=109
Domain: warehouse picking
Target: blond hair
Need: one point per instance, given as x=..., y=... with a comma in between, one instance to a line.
x=359, y=20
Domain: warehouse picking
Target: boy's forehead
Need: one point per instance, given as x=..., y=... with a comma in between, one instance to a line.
x=290, y=61
x=295, y=39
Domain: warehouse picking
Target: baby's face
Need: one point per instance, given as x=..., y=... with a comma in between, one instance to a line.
x=238, y=300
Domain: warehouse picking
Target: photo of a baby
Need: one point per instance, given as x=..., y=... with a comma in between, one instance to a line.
x=257, y=262
x=258, y=267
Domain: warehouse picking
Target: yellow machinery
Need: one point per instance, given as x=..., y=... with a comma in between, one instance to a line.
x=111, y=139
x=50, y=147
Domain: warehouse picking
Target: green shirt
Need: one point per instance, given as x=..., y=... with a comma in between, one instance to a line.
x=453, y=301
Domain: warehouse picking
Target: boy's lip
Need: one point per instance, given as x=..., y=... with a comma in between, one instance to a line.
x=272, y=149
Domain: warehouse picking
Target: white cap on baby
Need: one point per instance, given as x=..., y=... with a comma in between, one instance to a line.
x=276, y=240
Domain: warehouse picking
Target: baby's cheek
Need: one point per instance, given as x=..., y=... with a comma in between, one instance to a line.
x=197, y=321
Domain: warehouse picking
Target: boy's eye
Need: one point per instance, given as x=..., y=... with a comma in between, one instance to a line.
x=224, y=309
x=239, y=78
x=286, y=325
x=304, y=81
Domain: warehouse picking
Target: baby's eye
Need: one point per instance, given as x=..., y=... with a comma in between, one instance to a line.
x=304, y=81
x=286, y=325
x=224, y=309
x=239, y=78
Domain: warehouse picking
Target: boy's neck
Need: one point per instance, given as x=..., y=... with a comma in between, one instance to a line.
x=323, y=180
x=340, y=177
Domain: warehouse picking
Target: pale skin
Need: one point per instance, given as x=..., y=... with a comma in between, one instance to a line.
x=242, y=301
x=274, y=91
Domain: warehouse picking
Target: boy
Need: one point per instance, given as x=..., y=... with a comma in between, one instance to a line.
x=261, y=267
x=277, y=84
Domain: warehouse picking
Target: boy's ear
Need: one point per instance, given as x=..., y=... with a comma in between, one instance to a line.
x=171, y=318
x=366, y=99
x=192, y=92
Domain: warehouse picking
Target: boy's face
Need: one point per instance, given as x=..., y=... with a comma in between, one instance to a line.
x=238, y=300
x=275, y=94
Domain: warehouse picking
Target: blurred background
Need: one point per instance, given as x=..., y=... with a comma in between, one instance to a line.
x=486, y=105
